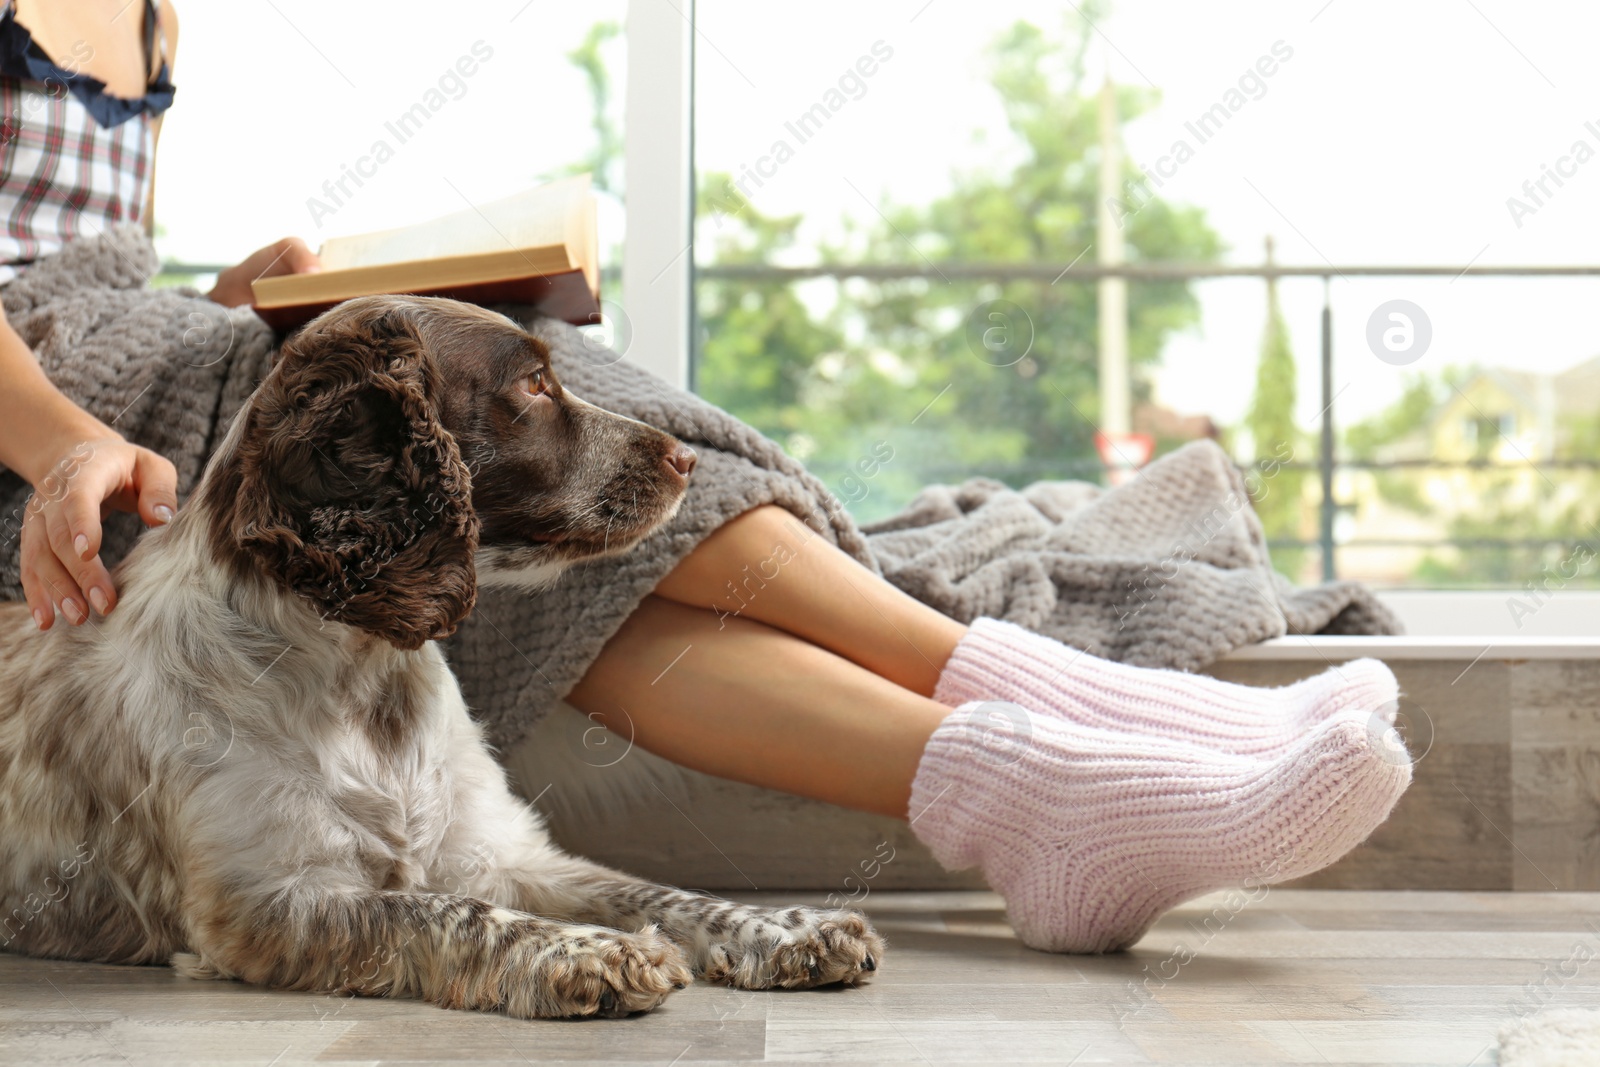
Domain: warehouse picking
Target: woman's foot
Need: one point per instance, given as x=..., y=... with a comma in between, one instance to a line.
x=1000, y=661
x=1090, y=835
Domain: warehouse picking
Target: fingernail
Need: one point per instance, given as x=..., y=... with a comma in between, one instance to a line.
x=40, y=619
x=163, y=513
x=73, y=611
x=97, y=597
x=81, y=543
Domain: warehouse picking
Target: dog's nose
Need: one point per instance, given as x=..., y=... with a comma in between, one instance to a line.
x=682, y=460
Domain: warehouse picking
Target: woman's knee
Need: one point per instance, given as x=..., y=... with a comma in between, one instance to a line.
x=765, y=519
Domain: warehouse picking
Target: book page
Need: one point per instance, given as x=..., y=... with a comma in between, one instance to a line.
x=535, y=218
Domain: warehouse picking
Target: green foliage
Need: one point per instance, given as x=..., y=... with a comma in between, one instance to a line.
x=758, y=341
x=604, y=161
x=1552, y=547
x=1407, y=420
x=1410, y=416
x=1546, y=514
x=833, y=369
x=175, y=281
x=1579, y=437
x=1271, y=415
x=1270, y=421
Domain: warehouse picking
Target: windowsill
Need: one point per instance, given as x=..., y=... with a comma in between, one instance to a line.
x=1464, y=624
x=1458, y=647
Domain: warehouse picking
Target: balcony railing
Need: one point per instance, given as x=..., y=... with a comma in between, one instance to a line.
x=1328, y=463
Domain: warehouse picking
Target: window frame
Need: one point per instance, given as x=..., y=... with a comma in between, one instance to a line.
x=658, y=168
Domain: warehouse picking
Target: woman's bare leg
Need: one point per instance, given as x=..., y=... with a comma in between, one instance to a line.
x=740, y=699
x=766, y=566
x=789, y=678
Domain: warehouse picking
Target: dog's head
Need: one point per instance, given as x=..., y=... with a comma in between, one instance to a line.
x=403, y=448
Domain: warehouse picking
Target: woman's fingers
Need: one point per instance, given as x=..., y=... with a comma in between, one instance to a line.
x=295, y=257
x=290, y=255
x=45, y=582
x=62, y=531
x=89, y=581
x=157, y=482
x=74, y=519
x=34, y=590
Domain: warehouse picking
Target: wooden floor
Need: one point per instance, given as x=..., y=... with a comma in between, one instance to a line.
x=1300, y=976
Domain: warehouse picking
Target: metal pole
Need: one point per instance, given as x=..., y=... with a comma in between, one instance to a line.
x=1330, y=569
x=1115, y=404
x=1076, y=271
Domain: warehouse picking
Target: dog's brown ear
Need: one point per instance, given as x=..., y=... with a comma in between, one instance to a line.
x=351, y=492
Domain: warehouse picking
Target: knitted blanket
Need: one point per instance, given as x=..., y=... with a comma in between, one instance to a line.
x=1170, y=570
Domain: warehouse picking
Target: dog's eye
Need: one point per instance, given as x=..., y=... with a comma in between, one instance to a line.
x=535, y=385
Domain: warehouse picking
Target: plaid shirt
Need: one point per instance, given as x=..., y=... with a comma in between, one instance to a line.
x=62, y=173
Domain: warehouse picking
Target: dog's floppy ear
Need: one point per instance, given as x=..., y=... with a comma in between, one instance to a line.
x=352, y=494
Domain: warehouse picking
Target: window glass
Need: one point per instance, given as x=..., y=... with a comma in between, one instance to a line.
x=909, y=154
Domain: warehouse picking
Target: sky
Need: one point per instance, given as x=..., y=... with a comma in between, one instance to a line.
x=1393, y=134
x=277, y=97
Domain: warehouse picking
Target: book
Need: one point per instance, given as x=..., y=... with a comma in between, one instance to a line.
x=537, y=247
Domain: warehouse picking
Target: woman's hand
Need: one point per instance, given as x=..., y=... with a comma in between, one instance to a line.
x=60, y=546
x=288, y=256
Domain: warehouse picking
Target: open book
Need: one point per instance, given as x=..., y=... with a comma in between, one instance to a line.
x=538, y=247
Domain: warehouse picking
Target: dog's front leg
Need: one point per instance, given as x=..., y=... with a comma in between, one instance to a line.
x=497, y=850
x=454, y=951
x=740, y=945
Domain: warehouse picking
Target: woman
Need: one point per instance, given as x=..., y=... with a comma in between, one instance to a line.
x=1132, y=791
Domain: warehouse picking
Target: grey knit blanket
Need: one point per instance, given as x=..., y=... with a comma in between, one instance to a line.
x=1170, y=570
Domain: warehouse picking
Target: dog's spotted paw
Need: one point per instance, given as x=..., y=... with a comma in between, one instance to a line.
x=595, y=972
x=796, y=948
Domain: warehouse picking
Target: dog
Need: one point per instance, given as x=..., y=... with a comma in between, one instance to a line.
x=260, y=767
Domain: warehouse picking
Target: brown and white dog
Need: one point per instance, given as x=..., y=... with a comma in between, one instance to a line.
x=260, y=767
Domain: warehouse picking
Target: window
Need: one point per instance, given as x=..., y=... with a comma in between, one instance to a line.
x=317, y=119
x=897, y=203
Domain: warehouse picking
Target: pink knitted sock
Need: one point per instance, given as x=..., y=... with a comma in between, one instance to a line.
x=1090, y=835
x=1000, y=661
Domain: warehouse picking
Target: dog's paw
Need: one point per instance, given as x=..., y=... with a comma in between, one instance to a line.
x=797, y=948
x=592, y=971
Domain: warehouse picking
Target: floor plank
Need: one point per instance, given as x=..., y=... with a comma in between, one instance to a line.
x=1298, y=977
